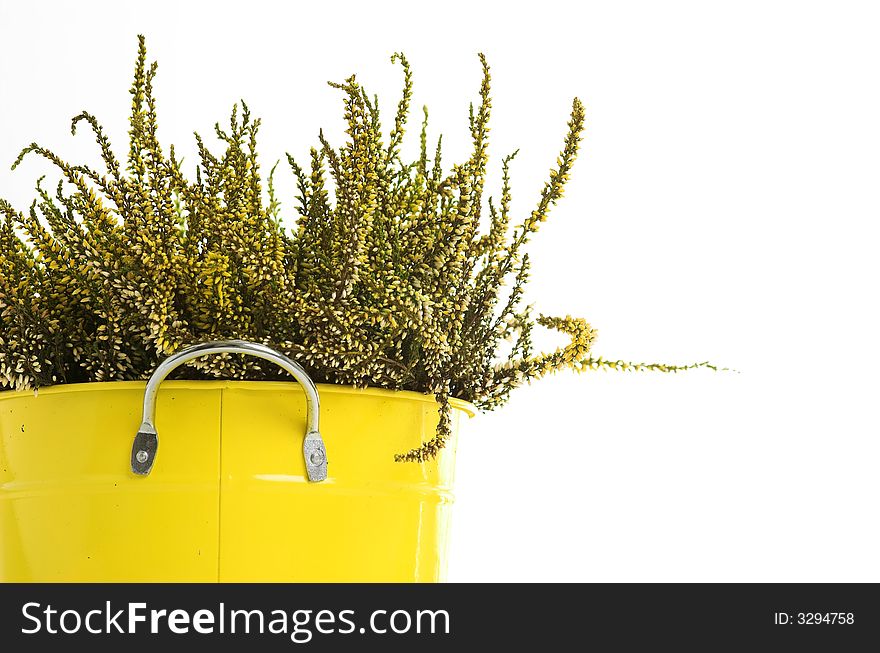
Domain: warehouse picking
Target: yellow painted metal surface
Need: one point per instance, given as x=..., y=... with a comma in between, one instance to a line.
x=228, y=498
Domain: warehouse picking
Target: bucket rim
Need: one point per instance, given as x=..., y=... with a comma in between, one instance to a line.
x=323, y=388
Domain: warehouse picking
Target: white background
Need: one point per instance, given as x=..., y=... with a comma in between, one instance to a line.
x=725, y=207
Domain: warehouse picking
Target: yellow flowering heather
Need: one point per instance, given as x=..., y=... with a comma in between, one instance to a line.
x=386, y=279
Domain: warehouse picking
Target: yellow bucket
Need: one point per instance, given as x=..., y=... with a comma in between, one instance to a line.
x=227, y=497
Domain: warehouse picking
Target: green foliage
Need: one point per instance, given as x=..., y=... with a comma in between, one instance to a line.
x=386, y=280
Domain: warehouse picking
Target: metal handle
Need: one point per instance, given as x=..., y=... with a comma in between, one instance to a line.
x=146, y=442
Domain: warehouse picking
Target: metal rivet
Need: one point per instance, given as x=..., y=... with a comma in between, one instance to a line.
x=141, y=456
x=316, y=457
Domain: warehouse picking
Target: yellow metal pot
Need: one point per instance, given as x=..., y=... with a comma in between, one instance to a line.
x=227, y=496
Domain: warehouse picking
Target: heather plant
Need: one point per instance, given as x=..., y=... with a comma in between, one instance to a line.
x=398, y=274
